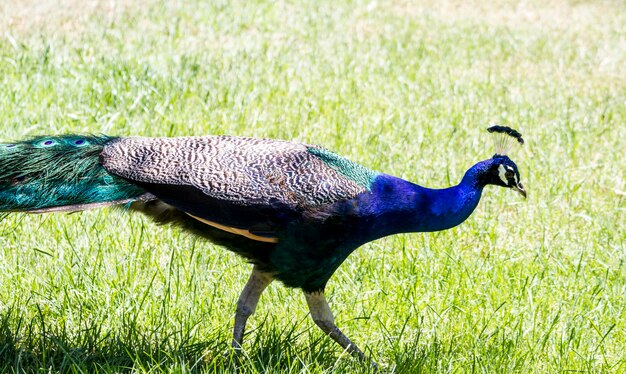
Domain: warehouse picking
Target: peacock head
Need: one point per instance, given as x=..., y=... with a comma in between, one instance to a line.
x=501, y=170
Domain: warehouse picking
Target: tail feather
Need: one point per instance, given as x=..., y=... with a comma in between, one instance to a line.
x=59, y=173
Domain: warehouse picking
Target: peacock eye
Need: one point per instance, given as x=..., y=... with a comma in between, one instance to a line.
x=508, y=174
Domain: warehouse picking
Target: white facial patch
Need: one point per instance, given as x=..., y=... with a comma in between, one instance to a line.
x=501, y=174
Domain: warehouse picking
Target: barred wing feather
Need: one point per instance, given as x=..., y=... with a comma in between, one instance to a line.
x=235, y=181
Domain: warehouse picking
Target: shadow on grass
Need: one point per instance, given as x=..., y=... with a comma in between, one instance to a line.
x=34, y=346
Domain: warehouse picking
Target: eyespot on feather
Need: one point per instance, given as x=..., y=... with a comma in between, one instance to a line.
x=46, y=143
x=9, y=148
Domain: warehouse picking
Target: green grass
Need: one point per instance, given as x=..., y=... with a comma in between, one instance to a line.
x=408, y=89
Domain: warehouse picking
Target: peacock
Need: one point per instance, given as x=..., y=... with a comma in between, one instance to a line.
x=293, y=210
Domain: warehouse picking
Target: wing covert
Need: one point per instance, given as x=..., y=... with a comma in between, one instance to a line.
x=246, y=171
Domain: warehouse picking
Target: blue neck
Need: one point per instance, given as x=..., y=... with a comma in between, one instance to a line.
x=395, y=205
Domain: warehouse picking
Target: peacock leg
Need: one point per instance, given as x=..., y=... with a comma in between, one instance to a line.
x=323, y=317
x=247, y=303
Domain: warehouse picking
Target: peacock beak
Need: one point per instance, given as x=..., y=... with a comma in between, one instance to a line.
x=520, y=188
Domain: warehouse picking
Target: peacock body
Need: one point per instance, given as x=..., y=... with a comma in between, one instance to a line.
x=296, y=211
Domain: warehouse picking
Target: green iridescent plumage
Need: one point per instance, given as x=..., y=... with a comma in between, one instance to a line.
x=47, y=172
x=349, y=169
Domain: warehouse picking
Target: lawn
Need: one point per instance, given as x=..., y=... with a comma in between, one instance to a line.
x=406, y=88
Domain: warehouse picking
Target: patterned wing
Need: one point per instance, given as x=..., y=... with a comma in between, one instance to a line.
x=237, y=170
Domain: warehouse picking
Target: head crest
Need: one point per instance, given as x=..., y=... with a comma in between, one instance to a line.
x=503, y=140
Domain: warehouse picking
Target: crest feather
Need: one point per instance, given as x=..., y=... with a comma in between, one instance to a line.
x=503, y=140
